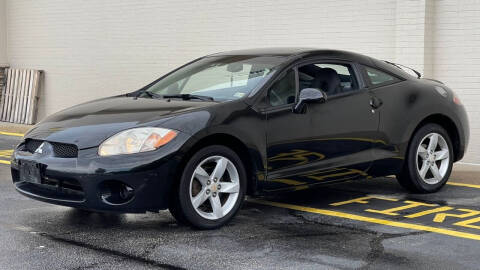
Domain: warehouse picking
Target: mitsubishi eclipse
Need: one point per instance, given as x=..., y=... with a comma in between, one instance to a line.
x=199, y=139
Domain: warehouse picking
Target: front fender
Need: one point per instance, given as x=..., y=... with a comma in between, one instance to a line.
x=237, y=122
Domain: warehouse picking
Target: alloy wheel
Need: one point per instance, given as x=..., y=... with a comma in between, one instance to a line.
x=214, y=187
x=433, y=157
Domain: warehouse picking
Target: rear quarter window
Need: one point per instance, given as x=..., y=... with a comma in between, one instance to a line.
x=377, y=77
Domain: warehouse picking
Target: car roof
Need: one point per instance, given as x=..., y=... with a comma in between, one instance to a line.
x=299, y=52
x=280, y=51
x=294, y=53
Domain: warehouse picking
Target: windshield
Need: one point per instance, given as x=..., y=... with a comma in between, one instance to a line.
x=219, y=77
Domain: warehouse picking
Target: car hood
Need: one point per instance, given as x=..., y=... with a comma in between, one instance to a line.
x=89, y=124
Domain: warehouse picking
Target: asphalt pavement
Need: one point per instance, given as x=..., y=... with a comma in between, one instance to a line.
x=370, y=224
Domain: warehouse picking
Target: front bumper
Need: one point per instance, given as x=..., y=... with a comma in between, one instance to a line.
x=81, y=182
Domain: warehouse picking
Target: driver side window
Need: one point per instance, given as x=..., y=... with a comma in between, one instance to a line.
x=332, y=78
x=283, y=91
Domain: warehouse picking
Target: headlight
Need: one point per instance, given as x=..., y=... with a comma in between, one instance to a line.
x=136, y=140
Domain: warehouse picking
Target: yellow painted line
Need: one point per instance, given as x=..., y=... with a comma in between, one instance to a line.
x=370, y=219
x=4, y=162
x=455, y=184
x=463, y=185
x=11, y=134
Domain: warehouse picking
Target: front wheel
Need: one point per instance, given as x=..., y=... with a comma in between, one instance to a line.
x=211, y=189
x=429, y=160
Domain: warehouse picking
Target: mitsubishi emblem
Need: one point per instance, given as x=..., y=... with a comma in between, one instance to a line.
x=40, y=148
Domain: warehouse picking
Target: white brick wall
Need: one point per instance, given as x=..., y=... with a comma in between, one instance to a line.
x=456, y=59
x=3, y=35
x=91, y=49
x=410, y=33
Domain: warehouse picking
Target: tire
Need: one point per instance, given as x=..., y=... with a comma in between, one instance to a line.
x=211, y=188
x=419, y=179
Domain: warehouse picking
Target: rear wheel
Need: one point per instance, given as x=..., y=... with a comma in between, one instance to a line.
x=429, y=160
x=211, y=189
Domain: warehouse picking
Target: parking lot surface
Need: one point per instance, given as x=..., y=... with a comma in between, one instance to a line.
x=370, y=224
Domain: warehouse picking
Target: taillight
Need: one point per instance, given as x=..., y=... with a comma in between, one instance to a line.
x=456, y=100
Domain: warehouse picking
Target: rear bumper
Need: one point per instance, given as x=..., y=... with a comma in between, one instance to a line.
x=83, y=182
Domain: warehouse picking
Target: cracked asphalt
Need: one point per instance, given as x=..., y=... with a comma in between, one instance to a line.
x=36, y=235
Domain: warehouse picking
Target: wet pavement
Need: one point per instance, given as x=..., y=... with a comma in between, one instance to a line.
x=371, y=224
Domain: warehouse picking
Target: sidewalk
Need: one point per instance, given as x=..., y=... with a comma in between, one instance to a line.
x=7, y=127
x=466, y=173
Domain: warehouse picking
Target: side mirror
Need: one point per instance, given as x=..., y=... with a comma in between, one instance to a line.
x=309, y=95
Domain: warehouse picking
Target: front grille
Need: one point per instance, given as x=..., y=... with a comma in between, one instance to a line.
x=67, y=185
x=61, y=150
x=65, y=150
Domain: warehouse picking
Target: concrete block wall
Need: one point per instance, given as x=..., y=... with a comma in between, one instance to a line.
x=91, y=49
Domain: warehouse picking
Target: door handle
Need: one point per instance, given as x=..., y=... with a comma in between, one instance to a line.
x=375, y=102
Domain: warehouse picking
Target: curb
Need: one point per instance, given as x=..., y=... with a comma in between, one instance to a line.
x=12, y=129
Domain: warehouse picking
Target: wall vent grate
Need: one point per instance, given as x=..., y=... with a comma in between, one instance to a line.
x=19, y=98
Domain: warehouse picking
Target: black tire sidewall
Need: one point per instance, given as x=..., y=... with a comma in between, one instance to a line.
x=414, y=175
x=184, y=187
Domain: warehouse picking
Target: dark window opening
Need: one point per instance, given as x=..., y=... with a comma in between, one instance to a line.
x=377, y=77
x=332, y=78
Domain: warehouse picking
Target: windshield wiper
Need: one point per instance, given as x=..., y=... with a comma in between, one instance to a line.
x=189, y=96
x=153, y=95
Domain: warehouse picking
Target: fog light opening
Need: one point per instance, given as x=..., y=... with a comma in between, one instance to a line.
x=116, y=192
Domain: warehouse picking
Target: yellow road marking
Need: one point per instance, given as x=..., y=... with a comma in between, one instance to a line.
x=430, y=211
x=463, y=185
x=370, y=219
x=6, y=153
x=364, y=200
x=468, y=223
x=11, y=133
x=393, y=211
x=441, y=217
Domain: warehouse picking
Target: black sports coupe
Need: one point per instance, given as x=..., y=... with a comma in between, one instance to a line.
x=249, y=122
